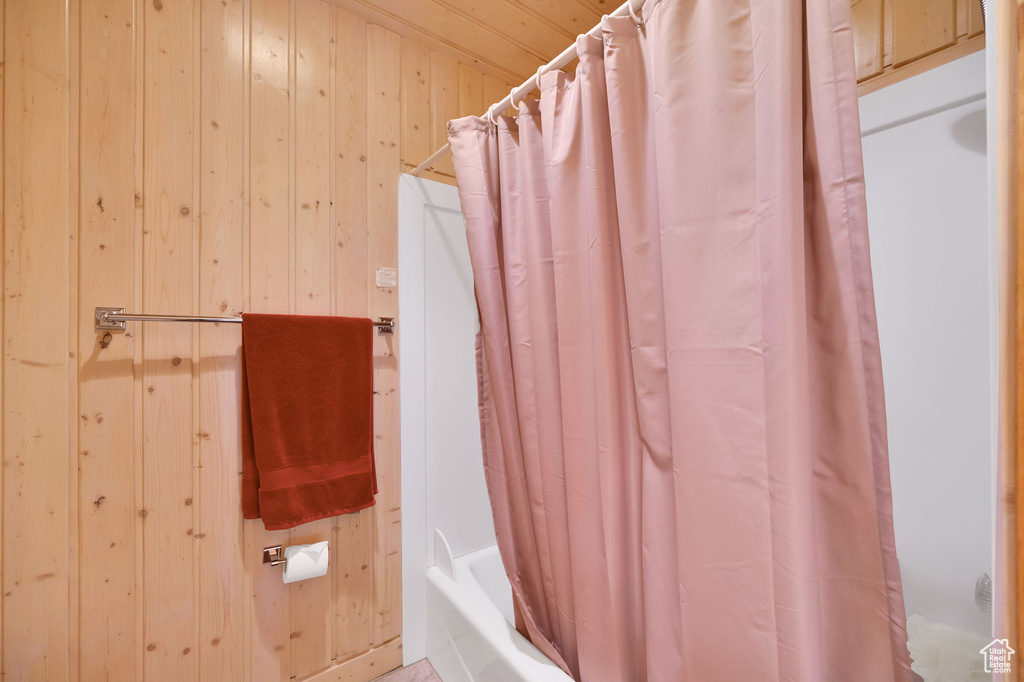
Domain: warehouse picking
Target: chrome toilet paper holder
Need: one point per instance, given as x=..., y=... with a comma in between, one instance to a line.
x=273, y=555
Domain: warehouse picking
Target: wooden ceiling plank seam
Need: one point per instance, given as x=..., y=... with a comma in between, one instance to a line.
x=571, y=18
x=601, y=7
x=457, y=11
x=512, y=23
x=510, y=69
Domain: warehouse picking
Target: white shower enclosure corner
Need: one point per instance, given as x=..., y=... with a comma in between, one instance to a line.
x=459, y=612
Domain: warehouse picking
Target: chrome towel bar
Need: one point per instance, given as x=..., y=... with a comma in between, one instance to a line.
x=115, y=318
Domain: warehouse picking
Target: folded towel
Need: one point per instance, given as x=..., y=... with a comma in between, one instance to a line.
x=307, y=418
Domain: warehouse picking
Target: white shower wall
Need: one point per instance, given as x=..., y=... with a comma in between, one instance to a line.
x=925, y=168
x=443, y=483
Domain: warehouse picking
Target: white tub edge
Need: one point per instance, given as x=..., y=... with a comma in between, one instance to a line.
x=476, y=633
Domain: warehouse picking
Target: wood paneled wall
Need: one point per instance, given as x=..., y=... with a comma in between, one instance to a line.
x=206, y=157
x=896, y=39
x=1008, y=605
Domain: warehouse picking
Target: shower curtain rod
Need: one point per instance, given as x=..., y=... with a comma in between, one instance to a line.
x=631, y=7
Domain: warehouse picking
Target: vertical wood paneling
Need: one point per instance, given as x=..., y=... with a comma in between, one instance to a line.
x=269, y=291
x=970, y=20
x=886, y=33
x=350, y=164
x=311, y=611
x=106, y=432
x=384, y=133
x=269, y=141
x=36, y=496
x=920, y=27
x=867, y=17
x=471, y=92
x=220, y=538
x=897, y=39
x=444, y=101
x=495, y=90
x=138, y=236
x=353, y=539
x=167, y=407
x=1009, y=83
x=312, y=154
x=3, y=297
x=180, y=156
x=416, y=103
x=962, y=11
x=73, y=419
x=975, y=18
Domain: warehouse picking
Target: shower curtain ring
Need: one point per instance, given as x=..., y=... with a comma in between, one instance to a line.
x=490, y=116
x=636, y=18
x=541, y=70
x=512, y=97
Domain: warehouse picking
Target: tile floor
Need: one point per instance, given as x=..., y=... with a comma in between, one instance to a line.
x=420, y=671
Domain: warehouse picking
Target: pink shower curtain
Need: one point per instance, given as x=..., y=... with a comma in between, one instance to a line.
x=680, y=388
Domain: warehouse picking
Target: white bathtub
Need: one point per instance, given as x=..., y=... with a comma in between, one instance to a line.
x=470, y=631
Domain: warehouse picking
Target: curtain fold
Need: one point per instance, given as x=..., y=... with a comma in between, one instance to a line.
x=680, y=389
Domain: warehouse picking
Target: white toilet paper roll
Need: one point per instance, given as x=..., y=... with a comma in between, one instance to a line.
x=305, y=561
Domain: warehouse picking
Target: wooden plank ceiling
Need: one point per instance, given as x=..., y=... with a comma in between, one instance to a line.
x=504, y=38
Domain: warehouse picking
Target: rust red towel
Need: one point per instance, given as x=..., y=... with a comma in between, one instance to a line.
x=307, y=418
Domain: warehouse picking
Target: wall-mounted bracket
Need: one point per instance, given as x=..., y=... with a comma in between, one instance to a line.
x=105, y=323
x=273, y=555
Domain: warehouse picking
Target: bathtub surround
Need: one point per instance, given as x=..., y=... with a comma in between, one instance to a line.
x=680, y=387
x=470, y=636
x=307, y=418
